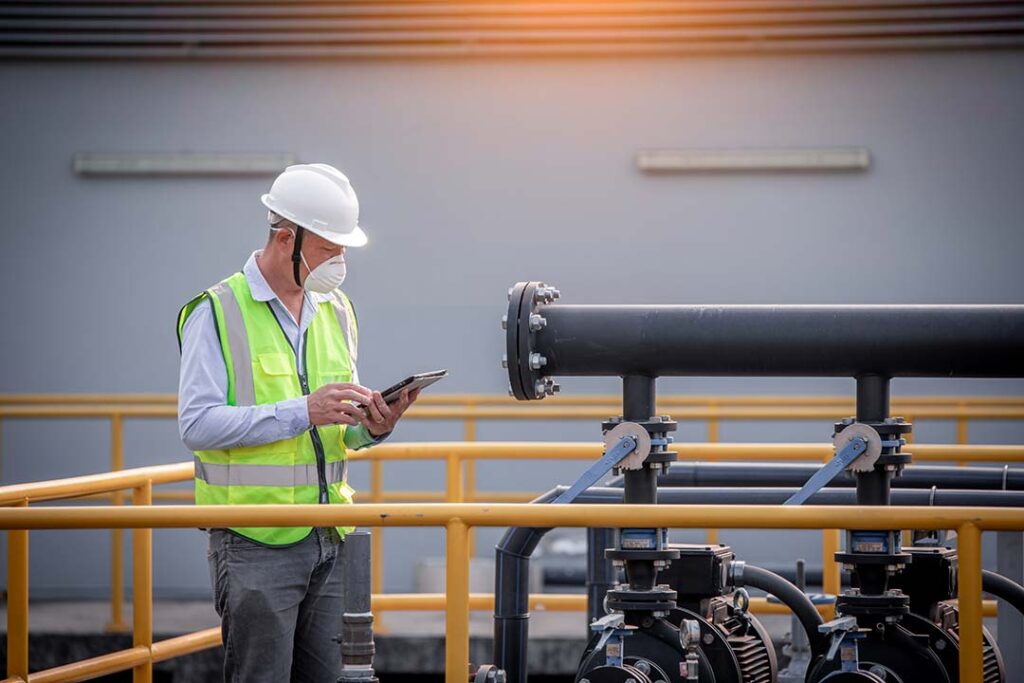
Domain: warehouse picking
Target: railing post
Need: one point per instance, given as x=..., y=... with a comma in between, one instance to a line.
x=470, y=481
x=17, y=602
x=116, y=535
x=961, y=429
x=969, y=601
x=457, y=603
x=142, y=583
x=454, y=472
x=376, y=539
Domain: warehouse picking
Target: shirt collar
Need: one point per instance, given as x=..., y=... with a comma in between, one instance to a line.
x=260, y=288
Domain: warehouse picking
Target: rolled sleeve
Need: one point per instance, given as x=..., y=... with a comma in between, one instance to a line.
x=359, y=437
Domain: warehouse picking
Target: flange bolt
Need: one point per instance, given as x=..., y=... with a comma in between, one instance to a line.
x=504, y=322
x=504, y=360
x=537, y=361
x=545, y=295
x=537, y=322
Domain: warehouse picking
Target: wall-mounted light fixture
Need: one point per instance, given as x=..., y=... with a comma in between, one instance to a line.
x=181, y=164
x=754, y=160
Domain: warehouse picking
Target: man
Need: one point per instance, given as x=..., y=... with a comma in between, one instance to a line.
x=269, y=400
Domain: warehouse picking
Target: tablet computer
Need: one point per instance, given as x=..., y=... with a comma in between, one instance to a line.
x=420, y=381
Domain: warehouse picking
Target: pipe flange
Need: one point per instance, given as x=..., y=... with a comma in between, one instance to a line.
x=635, y=460
x=522, y=322
x=866, y=461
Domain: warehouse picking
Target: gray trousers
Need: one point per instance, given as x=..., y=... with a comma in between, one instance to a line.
x=280, y=608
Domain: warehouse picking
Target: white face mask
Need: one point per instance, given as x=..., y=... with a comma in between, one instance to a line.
x=326, y=277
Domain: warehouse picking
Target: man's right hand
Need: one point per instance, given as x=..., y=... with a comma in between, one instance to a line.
x=331, y=404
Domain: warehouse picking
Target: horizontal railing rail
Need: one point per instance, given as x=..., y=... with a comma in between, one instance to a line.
x=456, y=519
x=471, y=409
x=459, y=456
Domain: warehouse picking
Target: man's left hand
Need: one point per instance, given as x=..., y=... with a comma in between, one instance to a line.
x=381, y=417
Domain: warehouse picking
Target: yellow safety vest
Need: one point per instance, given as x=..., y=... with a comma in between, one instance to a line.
x=307, y=469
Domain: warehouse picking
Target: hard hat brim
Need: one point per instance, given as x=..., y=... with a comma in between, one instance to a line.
x=356, y=238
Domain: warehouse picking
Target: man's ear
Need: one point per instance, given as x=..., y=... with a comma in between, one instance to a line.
x=282, y=236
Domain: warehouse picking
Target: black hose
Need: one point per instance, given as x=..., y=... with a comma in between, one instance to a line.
x=1003, y=588
x=789, y=595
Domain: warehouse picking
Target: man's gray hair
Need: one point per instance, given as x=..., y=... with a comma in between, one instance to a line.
x=274, y=218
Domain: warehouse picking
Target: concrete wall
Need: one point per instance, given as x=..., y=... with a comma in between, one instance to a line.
x=473, y=175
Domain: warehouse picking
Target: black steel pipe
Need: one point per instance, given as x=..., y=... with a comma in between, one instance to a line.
x=512, y=594
x=791, y=596
x=873, y=407
x=793, y=341
x=704, y=474
x=1003, y=588
x=638, y=401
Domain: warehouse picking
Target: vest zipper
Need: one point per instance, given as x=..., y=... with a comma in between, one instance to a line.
x=314, y=435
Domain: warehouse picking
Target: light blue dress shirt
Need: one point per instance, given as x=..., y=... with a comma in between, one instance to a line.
x=205, y=421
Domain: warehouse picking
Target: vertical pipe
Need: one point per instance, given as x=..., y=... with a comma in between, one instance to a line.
x=142, y=586
x=969, y=601
x=116, y=535
x=601, y=575
x=873, y=406
x=377, y=540
x=800, y=643
x=357, y=646
x=17, y=602
x=638, y=404
x=872, y=398
x=457, y=603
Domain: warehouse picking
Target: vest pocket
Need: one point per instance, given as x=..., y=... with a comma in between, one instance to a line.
x=276, y=377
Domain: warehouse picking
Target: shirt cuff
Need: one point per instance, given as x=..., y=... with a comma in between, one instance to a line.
x=293, y=414
x=359, y=437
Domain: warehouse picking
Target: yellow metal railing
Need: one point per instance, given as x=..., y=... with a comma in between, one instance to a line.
x=460, y=460
x=457, y=519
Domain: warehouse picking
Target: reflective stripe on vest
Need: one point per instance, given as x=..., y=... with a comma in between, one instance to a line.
x=238, y=342
x=269, y=475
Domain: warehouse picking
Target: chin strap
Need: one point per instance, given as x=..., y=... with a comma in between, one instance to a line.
x=297, y=254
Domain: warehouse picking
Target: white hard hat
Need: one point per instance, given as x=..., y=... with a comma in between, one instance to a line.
x=319, y=198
